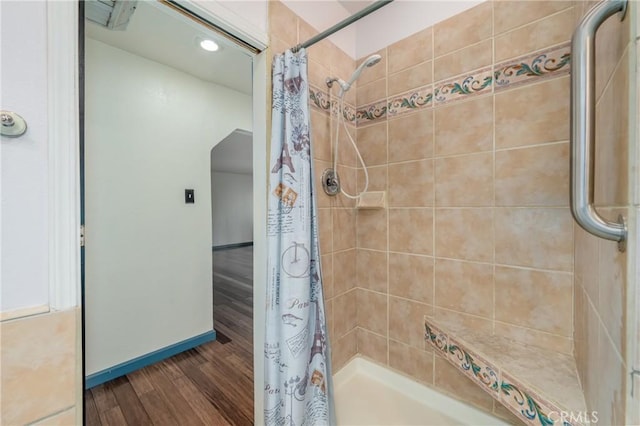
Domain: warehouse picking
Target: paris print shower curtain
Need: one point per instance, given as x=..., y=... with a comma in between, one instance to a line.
x=297, y=388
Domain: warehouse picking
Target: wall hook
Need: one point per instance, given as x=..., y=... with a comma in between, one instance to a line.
x=12, y=125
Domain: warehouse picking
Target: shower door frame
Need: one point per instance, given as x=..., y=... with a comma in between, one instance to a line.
x=65, y=105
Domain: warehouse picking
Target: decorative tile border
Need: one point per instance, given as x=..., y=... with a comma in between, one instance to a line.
x=526, y=404
x=458, y=88
x=372, y=113
x=480, y=371
x=543, y=64
x=319, y=99
x=324, y=102
x=436, y=337
x=519, y=398
x=538, y=65
x=411, y=101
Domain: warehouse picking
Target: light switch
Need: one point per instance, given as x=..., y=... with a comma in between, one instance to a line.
x=188, y=196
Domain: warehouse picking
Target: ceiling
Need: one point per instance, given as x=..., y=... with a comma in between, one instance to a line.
x=158, y=33
x=355, y=6
x=234, y=154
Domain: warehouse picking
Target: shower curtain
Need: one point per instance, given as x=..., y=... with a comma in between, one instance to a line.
x=298, y=388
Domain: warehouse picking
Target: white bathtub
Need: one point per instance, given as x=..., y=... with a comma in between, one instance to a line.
x=368, y=394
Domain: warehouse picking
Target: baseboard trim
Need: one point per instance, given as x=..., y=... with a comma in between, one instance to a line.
x=127, y=367
x=232, y=246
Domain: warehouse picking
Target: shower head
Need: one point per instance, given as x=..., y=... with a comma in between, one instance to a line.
x=369, y=62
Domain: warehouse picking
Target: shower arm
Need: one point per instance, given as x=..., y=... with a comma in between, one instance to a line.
x=583, y=125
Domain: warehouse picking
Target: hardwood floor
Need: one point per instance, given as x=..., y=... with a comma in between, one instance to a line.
x=208, y=385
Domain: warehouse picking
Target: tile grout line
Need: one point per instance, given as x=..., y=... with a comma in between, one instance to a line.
x=493, y=216
x=387, y=189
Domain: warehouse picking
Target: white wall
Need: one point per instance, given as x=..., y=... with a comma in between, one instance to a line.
x=323, y=14
x=391, y=23
x=24, y=161
x=253, y=12
x=232, y=206
x=149, y=132
x=400, y=19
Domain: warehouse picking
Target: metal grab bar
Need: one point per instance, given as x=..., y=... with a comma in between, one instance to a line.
x=583, y=112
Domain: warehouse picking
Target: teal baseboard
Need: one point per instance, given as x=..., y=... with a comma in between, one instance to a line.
x=127, y=367
x=232, y=246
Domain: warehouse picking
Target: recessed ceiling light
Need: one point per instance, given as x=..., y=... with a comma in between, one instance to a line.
x=209, y=45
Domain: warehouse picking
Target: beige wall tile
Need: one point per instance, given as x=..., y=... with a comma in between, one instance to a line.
x=464, y=181
x=372, y=143
x=550, y=31
x=346, y=151
x=414, y=362
x=411, y=78
x=372, y=229
x=464, y=29
x=612, y=39
x=283, y=23
x=411, y=136
x=587, y=263
x=611, y=378
x=318, y=168
x=579, y=329
x=38, y=358
x=535, y=299
x=66, y=418
x=411, y=230
x=343, y=350
x=464, y=127
x=612, y=141
x=277, y=46
x=321, y=135
x=536, y=176
x=348, y=184
x=535, y=338
x=591, y=383
x=372, y=270
x=328, y=312
x=371, y=92
x=318, y=72
x=372, y=346
x=452, y=381
x=375, y=72
x=344, y=271
x=411, y=184
x=318, y=53
x=327, y=275
x=533, y=114
x=411, y=51
x=342, y=65
x=465, y=234
x=411, y=277
x=345, y=314
x=377, y=178
x=470, y=58
x=534, y=237
x=510, y=14
x=464, y=287
x=461, y=320
x=325, y=230
x=406, y=321
x=372, y=311
x=613, y=289
x=344, y=229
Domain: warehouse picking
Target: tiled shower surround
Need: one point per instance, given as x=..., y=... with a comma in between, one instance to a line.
x=465, y=125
